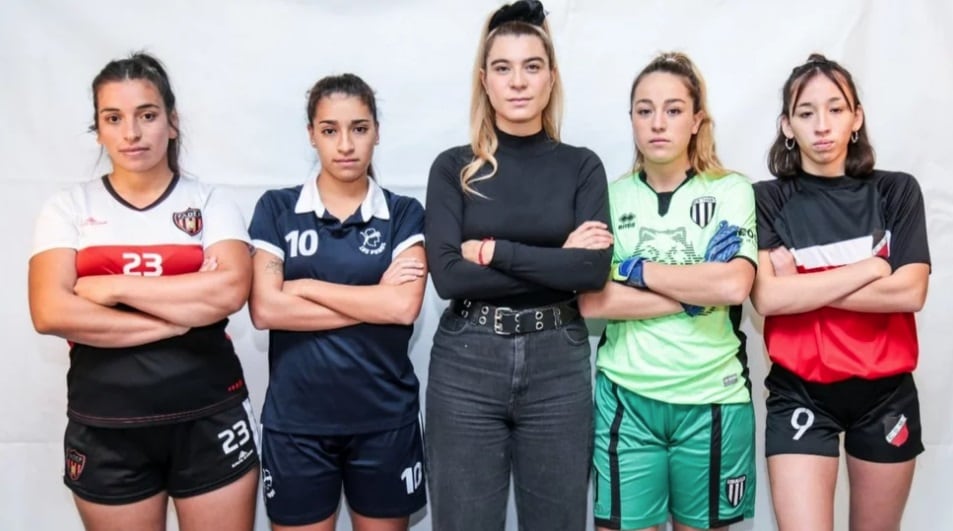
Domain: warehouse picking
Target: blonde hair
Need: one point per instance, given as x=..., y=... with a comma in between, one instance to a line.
x=701, y=147
x=483, y=139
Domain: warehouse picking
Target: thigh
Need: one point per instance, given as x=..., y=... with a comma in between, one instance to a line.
x=552, y=429
x=802, y=491
x=230, y=506
x=148, y=514
x=383, y=473
x=301, y=477
x=114, y=466
x=878, y=493
x=795, y=423
x=211, y=452
x=889, y=430
x=467, y=428
x=630, y=459
x=712, y=465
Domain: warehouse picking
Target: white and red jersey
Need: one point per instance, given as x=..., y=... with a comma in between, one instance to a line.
x=832, y=222
x=171, y=380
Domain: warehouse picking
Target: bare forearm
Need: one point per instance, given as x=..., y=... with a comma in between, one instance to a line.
x=281, y=311
x=903, y=291
x=81, y=321
x=617, y=301
x=376, y=304
x=705, y=284
x=790, y=294
x=193, y=299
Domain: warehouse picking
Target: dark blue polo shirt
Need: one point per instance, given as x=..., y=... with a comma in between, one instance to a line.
x=350, y=380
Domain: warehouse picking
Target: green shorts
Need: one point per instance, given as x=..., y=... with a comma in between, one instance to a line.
x=654, y=458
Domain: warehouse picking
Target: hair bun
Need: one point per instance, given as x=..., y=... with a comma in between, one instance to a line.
x=529, y=11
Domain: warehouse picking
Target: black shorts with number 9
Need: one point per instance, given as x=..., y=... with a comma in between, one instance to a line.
x=124, y=465
x=880, y=418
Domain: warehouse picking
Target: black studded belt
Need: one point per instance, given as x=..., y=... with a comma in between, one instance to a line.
x=508, y=321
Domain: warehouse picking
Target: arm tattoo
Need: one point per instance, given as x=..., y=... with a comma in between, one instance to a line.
x=275, y=267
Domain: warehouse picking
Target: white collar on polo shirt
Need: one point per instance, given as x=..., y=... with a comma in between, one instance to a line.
x=374, y=204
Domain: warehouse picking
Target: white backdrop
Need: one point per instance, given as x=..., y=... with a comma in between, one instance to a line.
x=241, y=68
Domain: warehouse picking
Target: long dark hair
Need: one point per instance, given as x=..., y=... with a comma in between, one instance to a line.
x=143, y=66
x=349, y=85
x=786, y=163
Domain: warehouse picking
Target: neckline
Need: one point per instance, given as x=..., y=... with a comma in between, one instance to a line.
x=112, y=191
x=836, y=181
x=532, y=144
x=689, y=174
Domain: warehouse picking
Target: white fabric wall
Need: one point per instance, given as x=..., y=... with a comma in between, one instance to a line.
x=241, y=68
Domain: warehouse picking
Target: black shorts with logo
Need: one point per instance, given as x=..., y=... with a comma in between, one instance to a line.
x=124, y=465
x=880, y=418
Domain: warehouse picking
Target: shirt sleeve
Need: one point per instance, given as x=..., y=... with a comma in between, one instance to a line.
x=453, y=277
x=565, y=269
x=738, y=208
x=57, y=225
x=221, y=220
x=408, y=223
x=264, y=230
x=617, y=257
x=768, y=206
x=906, y=221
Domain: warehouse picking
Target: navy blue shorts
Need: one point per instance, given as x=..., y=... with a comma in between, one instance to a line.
x=124, y=465
x=382, y=474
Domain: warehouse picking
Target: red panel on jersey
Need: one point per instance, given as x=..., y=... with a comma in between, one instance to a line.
x=145, y=260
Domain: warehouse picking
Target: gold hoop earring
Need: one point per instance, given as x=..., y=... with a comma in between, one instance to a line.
x=789, y=143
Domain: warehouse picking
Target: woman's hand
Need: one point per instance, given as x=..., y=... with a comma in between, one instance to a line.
x=593, y=235
x=402, y=271
x=783, y=262
x=100, y=289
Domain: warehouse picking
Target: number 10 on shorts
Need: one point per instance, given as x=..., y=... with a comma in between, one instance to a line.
x=412, y=476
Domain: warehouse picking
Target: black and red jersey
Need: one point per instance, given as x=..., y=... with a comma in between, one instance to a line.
x=831, y=222
x=175, y=379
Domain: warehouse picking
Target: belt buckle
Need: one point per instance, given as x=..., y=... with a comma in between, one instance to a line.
x=498, y=320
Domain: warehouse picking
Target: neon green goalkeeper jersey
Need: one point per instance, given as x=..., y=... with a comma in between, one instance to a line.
x=678, y=358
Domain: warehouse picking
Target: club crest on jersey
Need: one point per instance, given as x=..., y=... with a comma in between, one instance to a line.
x=702, y=210
x=75, y=462
x=188, y=221
x=896, y=430
x=372, y=243
x=735, y=490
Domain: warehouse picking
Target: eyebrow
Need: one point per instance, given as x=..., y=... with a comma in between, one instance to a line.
x=809, y=104
x=507, y=61
x=142, y=107
x=359, y=121
x=666, y=102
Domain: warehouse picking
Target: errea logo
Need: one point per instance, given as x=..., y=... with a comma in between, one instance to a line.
x=626, y=221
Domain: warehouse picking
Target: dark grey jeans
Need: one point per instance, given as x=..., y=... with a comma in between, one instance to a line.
x=501, y=404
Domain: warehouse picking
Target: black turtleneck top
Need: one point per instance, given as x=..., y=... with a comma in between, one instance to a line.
x=541, y=192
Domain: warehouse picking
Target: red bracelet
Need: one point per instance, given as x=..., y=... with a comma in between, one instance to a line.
x=480, y=251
